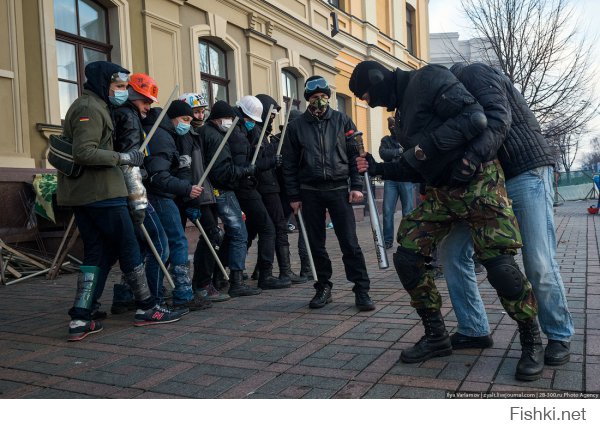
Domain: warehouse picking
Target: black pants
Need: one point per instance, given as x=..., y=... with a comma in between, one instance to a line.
x=259, y=222
x=314, y=205
x=287, y=212
x=108, y=235
x=204, y=261
x=272, y=203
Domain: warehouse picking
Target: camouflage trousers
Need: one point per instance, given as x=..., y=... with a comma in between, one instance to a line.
x=485, y=206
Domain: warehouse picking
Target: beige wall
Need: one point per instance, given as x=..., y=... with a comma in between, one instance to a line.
x=160, y=37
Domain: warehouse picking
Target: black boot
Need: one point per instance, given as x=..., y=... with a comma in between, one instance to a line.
x=285, y=267
x=219, y=281
x=531, y=363
x=237, y=287
x=435, y=342
x=305, y=270
x=267, y=281
x=322, y=297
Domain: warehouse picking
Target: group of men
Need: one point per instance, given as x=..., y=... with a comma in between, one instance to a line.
x=454, y=137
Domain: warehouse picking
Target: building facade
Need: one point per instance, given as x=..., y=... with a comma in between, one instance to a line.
x=446, y=49
x=224, y=48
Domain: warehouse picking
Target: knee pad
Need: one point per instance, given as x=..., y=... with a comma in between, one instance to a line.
x=410, y=267
x=505, y=276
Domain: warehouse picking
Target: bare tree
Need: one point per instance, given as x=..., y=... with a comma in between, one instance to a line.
x=566, y=148
x=537, y=45
x=592, y=158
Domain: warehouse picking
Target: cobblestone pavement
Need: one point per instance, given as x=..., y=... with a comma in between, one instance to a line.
x=274, y=346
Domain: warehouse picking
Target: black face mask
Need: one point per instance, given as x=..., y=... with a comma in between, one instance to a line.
x=382, y=94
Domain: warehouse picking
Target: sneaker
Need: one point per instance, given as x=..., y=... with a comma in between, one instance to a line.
x=79, y=329
x=155, y=316
x=212, y=294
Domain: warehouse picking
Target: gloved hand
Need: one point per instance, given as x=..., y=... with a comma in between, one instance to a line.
x=193, y=214
x=278, y=160
x=133, y=157
x=250, y=170
x=462, y=172
x=137, y=216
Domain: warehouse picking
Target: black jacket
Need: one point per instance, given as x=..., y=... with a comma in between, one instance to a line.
x=162, y=162
x=224, y=175
x=315, y=154
x=523, y=148
x=129, y=133
x=190, y=145
x=438, y=114
x=265, y=162
x=390, y=149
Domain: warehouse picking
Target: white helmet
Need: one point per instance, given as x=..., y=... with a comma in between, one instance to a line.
x=194, y=100
x=251, y=106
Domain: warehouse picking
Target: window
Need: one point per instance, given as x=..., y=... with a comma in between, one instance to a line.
x=410, y=30
x=290, y=89
x=342, y=104
x=337, y=3
x=81, y=37
x=213, y=72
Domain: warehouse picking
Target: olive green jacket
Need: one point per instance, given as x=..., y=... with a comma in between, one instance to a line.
x=89, y=124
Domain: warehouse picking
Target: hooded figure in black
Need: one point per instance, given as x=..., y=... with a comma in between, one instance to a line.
x=447, y=140
x=268, y=187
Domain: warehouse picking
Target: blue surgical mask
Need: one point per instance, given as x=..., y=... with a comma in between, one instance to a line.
x=119, y=98
x=182, y=128
x=249, y=125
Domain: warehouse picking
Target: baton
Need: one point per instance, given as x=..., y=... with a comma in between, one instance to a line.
x=310, y=258
x=287, y=120
x=157, y=256
x=262, y=135
x=219, y=149
x=212, y=249
x=159, y=120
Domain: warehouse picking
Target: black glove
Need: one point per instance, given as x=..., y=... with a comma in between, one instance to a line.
x=250, y=170
x=375, y=168
x=133, y=157
x=278, y=160
x=137, y=216
x=462, y=173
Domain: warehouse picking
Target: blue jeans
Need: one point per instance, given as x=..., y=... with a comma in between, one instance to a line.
x=532, y=196
x=391, y=192
x=236, y=234
x=154, y=274
x=168, y=213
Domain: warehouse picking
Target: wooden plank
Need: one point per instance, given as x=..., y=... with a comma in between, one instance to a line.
x=14, y=272
x=21, y=255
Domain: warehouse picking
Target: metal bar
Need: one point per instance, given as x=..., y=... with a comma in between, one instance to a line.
x=157, y=256
x=305, y=236
x=160, y=118
x=34, y=274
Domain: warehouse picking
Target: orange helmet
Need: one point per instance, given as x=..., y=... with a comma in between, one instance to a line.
x=145, y=85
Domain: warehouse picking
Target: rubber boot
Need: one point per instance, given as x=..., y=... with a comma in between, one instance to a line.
x=285, y=268
x=122, y=298
x=267, y=281
x=435, y=342
x=237, y=287
x=531, y=363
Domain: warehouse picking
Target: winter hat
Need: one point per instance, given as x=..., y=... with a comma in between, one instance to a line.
x=134, y=95
x=315, y=84
x=221, y=110
x=179, y=108
x=367, y=74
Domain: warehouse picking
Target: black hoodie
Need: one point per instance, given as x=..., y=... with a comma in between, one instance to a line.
x=98, y=75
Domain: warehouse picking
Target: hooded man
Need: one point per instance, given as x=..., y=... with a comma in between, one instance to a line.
x=440, y=124
x=99, y=201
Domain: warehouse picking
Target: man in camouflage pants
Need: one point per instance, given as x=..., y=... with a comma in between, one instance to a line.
x=449, y=145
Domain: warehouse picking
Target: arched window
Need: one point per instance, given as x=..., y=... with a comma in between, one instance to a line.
x=81, y=37
x=290, y=89
x=213, y=72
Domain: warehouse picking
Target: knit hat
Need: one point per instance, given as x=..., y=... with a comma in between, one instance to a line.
x=314, y=85
x=134, y=95
x=221, y=110
x=179, y=108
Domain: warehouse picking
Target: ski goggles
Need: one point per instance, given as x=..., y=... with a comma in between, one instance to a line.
x=320, y=83
x=119, y=77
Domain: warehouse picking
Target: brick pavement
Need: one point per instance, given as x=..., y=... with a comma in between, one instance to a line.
x=273, y=346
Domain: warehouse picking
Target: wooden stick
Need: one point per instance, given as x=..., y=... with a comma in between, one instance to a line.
x=55, y=269
x=157, y=256
x=160, y=118
x=62, y=242
x=33, y=275
x=285, y=124
x=20, y=255
x=13, y=271
x=212, y=249
x=219, y=149
x=262, y=135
